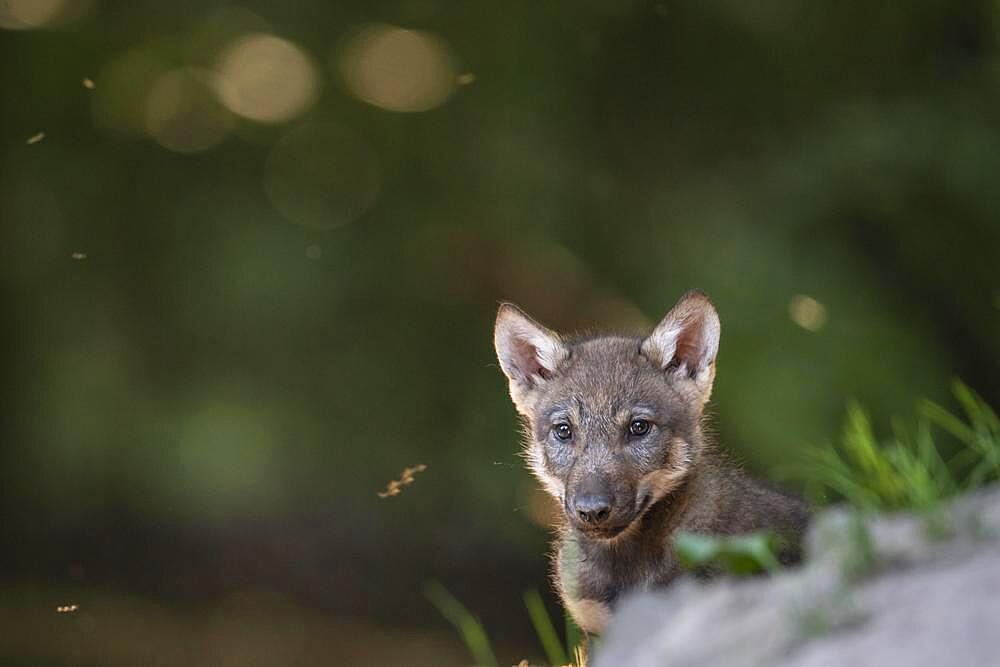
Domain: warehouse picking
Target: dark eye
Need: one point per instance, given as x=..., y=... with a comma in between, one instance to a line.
x=563, y=431
x=638, y=427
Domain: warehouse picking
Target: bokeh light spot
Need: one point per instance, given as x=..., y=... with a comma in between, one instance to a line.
x=182, y=115
x=119, y=104
x=807, y=312
x=29, y=14
x=266, y=78
x=225, y=459
x=398, y=69
x=322, y=176
x=218, y=30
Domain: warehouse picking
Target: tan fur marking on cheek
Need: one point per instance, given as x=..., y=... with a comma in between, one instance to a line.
x=661, y=482
x=536, y=462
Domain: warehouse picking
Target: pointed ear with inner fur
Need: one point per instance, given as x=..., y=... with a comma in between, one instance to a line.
x=529, y=353
x=685, y=344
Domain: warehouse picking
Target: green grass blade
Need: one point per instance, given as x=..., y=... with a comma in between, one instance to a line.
x=859, y=440
x=860, y=443
x=544, y=629
x=907, y=471
x=468, y=626
x=847, y=484
x=963, y=459
x=975, y=407
x=948, y=422
x=574, y=638
x=988, y=468
x=931, y=458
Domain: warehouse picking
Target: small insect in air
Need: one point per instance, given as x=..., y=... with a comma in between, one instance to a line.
x=405, y=477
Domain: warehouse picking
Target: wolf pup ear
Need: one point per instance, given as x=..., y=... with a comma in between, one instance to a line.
x=685, y=343
x=528, y=352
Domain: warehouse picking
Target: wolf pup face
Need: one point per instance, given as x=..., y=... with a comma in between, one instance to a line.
x=612, y=423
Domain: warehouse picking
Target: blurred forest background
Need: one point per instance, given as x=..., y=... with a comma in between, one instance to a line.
x=251, y=254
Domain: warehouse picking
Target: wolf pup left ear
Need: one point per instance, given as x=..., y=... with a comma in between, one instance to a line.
x=686, y=342
x=528, y=353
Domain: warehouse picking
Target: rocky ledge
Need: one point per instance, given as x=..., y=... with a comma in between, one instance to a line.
x=915, y=590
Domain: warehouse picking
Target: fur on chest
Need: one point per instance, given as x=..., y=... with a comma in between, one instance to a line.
x=592, y=579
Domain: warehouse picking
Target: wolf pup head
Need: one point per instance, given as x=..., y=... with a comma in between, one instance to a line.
x=612, y=423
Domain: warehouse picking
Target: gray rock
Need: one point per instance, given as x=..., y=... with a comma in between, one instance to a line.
x=900, y=589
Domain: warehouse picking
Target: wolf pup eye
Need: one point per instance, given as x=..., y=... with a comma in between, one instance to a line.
x=563, y=431
x=638, y=427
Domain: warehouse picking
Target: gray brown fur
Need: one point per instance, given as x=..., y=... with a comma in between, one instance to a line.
x=624, y=494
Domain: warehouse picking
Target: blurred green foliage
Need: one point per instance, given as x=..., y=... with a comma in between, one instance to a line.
x=214, y=358
x=476, y=639
x=914, y=469
x=751, y=553
x=467, y=625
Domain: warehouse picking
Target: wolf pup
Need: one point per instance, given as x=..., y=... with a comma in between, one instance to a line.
x=614, y=432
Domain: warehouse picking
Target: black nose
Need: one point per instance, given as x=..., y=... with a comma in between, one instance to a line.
x=592, y=507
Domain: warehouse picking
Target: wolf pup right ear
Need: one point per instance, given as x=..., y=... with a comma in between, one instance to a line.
x=685, y=344
x=528, y=353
